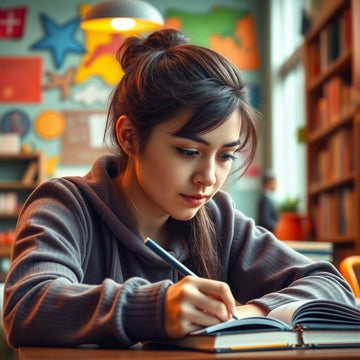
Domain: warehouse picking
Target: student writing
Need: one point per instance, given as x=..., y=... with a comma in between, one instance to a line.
x=80, y=271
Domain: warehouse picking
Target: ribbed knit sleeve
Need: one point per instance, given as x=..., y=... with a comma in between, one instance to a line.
x=262, y=269
x=143, y=312
x=65, y=286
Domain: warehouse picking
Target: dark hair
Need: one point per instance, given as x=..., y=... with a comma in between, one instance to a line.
x=164, y=74
x=268, y=176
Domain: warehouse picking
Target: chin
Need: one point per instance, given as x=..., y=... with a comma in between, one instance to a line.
x=185, y=216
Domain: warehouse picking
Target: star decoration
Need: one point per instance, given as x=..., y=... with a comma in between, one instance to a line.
x=59, y=39
x=62, y=82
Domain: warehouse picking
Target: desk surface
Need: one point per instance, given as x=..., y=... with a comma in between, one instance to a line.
x=29, y=353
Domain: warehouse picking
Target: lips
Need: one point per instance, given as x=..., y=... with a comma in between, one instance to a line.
x=196, y=199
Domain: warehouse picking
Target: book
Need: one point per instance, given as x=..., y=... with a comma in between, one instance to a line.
x=316, y=250
x=30, y=173
x=300, y=324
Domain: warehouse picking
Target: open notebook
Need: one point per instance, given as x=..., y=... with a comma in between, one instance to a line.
x=308, y=323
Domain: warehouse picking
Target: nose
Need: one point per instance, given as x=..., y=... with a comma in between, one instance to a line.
x=205, y=174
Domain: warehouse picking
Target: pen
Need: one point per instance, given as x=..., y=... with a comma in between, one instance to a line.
x=171, y=260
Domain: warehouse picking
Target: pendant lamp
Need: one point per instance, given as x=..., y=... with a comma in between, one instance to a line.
x=122, y=16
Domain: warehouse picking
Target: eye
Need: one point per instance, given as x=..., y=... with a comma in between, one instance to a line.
x=186, y=152
x=227, y=156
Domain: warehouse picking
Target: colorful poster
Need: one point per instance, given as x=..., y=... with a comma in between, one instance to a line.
x=82, y=141
x=20, y=79
x=12, y=22
x=229, y=31
x=15, y=121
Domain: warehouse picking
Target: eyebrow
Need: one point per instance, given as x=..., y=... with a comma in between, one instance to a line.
x=203, y=141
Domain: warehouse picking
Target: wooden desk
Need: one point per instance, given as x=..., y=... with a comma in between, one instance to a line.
x=28, y=353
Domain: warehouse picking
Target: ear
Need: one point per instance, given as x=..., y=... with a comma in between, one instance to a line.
x=126, y=135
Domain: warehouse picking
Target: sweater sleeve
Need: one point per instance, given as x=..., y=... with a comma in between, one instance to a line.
x=46, y=300
x=264, y=270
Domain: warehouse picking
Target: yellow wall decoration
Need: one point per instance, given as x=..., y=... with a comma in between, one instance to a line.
x=51, y=165
x=100, y=58
x=49, y=124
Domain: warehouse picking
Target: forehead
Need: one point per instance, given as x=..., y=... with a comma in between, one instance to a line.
x=174, y=126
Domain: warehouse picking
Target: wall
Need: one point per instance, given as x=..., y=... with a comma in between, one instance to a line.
x=74, y=82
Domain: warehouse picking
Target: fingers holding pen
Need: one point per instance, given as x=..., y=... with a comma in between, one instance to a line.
x=218, y=298
x=194, y=303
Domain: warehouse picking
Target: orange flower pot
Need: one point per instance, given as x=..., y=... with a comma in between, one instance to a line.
x=292, y=226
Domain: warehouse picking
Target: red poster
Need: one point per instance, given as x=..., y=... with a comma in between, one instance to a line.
x=12, y=22
x=20, y=79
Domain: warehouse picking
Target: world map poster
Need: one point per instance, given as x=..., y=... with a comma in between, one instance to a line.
x=228, y=31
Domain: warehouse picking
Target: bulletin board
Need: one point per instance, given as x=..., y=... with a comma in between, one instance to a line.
x=82, y=141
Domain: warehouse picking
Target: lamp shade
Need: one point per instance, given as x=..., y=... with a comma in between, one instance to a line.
x=122, y=16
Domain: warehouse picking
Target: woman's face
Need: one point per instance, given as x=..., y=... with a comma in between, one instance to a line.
x=177, y=175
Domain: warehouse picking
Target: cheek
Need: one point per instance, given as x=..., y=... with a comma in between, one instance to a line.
x=159, y=173
x=224, y=171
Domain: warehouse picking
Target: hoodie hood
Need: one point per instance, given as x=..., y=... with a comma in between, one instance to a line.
x=106, y=201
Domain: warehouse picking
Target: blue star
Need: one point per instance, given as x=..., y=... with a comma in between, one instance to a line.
x=59, y=39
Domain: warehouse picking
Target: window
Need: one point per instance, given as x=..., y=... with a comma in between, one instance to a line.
x=288, y=98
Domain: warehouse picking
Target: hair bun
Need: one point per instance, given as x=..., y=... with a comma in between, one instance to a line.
x=161, y=40
x=165, y=39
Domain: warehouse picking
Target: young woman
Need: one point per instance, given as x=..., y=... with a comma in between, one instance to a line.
x=80, y=271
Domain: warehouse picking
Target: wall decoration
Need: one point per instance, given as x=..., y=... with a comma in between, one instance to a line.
x=62, y=82
x=12, y=22
x=109, y=48
x=232, y=32
x=82, y=139
x=50, y=165
x=13, y=71
x=100, y=59
x=49, y=124
x=15, y=121
x=91, y=94
x=244, y=54
x=59, y=39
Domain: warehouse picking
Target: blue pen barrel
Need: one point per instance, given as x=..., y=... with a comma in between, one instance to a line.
x=171, y=260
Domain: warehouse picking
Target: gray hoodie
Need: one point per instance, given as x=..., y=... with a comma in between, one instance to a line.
x=80, y=272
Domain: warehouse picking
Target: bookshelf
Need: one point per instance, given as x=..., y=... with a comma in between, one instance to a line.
x=332, y=68
x=20, y=174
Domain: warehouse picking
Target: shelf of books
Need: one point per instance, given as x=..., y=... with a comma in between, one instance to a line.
x=332, y=63
x=20, y=174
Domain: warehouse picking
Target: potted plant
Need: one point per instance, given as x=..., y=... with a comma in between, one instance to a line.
x=289, y=204
x=291, y=225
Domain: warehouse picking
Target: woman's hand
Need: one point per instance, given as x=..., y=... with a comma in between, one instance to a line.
x=194, y=303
